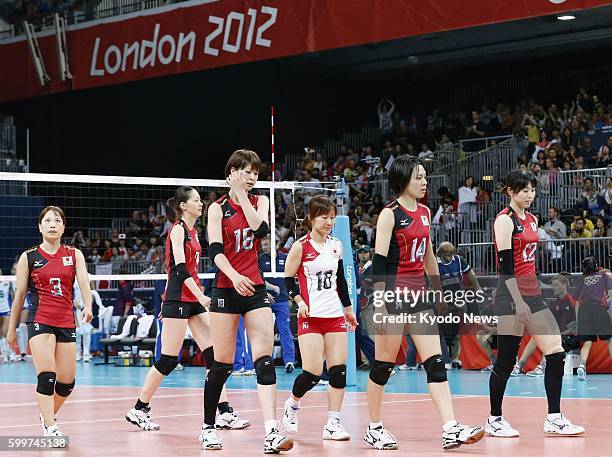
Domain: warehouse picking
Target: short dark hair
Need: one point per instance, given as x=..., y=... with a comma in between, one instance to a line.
x=401, y=172
x=517, y=180
x=55, y=209
x=320, y=205
x=242, y=158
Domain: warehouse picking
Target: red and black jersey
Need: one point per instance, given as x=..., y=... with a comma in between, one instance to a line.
x=239, y=244
x=177, y=291
x=408, y=245
x=50, y=286
x=524, y=249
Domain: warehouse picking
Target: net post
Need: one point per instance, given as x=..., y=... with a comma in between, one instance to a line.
x=342, y=231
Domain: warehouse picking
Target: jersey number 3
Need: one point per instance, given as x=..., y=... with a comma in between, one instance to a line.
x=244, y=239
x=418, y=252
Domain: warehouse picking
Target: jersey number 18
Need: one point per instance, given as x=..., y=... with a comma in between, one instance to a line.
x=244, y=239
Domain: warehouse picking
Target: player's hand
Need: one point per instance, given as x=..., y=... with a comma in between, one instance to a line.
x=442, y=307
x=275, y=289
x=523, y=313
x=351, y=321
x=11, y=340
x=302, y=309
x=237, y=181
x=206, y=302
x=86, y=315
x=270, y=298
x=243, y=285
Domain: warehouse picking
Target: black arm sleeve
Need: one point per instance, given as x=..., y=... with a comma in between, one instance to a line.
x=342, y=285
x=293, y=289
x=213, y=250
x=262, y=231
x=379, y=268
x=181, y=271
x=506, y=262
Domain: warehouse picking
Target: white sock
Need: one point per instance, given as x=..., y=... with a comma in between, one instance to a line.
x=333, y=417
x=450, y=424
x=494, y=418
x=553, y=416
x=23, y=338
x=293, y=403
x=270, y=424
x=375, y=424
x=3, y=347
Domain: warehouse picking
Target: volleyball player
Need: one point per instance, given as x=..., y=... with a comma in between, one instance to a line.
x=47, y=272
x=519, y=304
x=5, y=312
x=237, y=222
x=322, y=292
x=594, y=292
x=403, y=253
x=184, y=304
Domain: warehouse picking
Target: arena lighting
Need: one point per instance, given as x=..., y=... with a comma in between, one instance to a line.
x=566, y=17
x=487, y=178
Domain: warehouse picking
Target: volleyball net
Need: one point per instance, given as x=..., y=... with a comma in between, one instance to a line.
x=120, y=222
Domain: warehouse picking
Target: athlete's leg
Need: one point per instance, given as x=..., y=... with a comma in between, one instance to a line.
x=173, y=335
x=336, y=347
x=386, y=348
x=260, y=330
x=65, y=368
x=223, y=328
x=43, y=355
x=527, y=353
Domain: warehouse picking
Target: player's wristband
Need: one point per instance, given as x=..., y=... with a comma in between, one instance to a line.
x=293, y=289
x=181, y=271
x=262, y=231
x=214, y=250
x=506, y=262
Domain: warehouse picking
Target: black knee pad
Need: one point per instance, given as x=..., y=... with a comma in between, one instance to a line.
x=303, y=383
x=63, y=390
x=555, y=364
x=46, y=383
x=264, y=368
x=434, y=367
x=166, y=363
x=219, y=372
x=209, y=357
x=380, y=372
x=507, y=351
x=337, y=376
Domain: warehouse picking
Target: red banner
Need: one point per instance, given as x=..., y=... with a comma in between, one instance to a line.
x=191, y=37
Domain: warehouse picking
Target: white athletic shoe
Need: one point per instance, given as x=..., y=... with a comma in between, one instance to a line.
x=276, y=442
x=581, y=372
x=322, y=382
x=209, y=439
x=461, y=434
x=515, y=371
x=79, y=357
x=141, y=419
x=379, y=438
x=536, y=372
x=248, y=372
x=290, y=419
x=405, y=367
x=87, y=358
x=562, y=426
x=231, y=421
x=238, y=372
x=179, y=367
x=500, y=428
x=335, y=432
x=488, y=368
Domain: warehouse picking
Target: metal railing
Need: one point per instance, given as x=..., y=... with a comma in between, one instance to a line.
x=8, y=142
x=553, y=257
x=484, y=143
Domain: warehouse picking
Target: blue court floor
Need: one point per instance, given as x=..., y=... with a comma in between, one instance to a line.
x=462, y=382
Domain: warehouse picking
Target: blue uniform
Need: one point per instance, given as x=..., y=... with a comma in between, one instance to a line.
x=281, y=306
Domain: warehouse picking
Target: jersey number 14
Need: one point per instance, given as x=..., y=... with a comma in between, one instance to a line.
x=418, y=252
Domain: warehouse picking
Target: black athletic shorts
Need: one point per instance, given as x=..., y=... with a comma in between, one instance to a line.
x=181, y=309
x=504, y=305
x=593, y=322
x=62, y=335
x=229, y=301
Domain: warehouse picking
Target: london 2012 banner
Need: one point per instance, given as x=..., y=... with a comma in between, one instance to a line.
x=199, y=35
